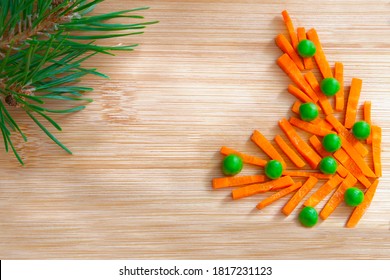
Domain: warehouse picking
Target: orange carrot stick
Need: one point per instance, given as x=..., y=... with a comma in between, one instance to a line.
x=319, y=56
x=317, y=121
x=301, y=146
x=339, y=97
x=245, y=158
x=358, y=159
x=337, y=197
x=323, y=191
x=278, y=195
x=289, y=67
x=376, y=149
x=359, y=211
x=347, y=135
x=286, y=47
x=367, y=118
x=298, y=173
x=225, y=182
x=290, y=29
x=299, y=195
x=295, y=107
x=352, y=104
x=309, y=127
x=267, y=147
x=322, y=99
x=249, y=190
x=307, y=61
x=293, y=90
x=290, y=153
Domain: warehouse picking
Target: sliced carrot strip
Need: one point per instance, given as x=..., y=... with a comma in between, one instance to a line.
x=290, y=153
x=225, y=182
x=322, y=99
x=290, y=29
x=317, y=121
x=249, y=190
x=339, y=97
x=359, y=211
x=351, y=166
x=352, y=104
x=307, y=61
x=376, y=149
x=358, y=159
x=295, y=107
x=337, y=197
x=286, y=47
x=278, y=195
x=319, y=56
x=289, y=67
x=301, y=146
x=294, y=173
x=267, y=147
x=309, y=127
x=293, y=90
x=299, y=195
x=347, y=135
x=323, y=191
x=245, y=158
x=367, y=118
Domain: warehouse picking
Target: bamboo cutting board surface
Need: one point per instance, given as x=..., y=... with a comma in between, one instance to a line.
x=139, y=183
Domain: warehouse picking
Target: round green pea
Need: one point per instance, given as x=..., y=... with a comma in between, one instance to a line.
x=308, y=111
x=353, y=197
x=306, y=48
x=328, y=165
x=331, y=142
x=308, y=216
x=330, y=86
x=273, y=169
x=232, y=165
x=361, y=130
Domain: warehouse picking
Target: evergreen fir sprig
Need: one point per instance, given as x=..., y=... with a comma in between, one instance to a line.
x=43, y=44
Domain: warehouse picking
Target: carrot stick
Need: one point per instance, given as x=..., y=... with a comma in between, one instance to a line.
x=290, y=29
x=339, y=97
x=299, y=195
x=286, y=47
x=319, y=56
x=253, y=189
x=317, y=145
x=307, y=61
x=367, y=118
x=352, y=104
x=337, y=197
x=267, y=147
x=278, y=195
x=309, y=127
x=290, y=153
x=376, y=149
x=323, y=191
x=245, y=158
x=289, y=67
x=347, y=135
x=295, y=173
x=317, y=121
x=301, y=146
x=293, y=90
x=237, y=181
x=351, y=166
x=322, y=99
x=295, y=107
x=359, y=211
x=358, y=159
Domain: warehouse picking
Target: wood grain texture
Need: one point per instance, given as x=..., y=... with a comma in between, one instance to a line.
x=139, y=183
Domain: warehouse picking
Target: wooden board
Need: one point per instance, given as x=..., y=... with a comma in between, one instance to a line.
x=138, y=184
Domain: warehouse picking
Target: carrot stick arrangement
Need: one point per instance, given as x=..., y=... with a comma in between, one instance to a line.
x=334, y=146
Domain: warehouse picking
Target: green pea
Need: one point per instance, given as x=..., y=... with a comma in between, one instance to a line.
x=273, y=169
x=328, y=165
x=330, y=86
x=306, y=48
x=232, y=165
x=353, y=197
x=308, y=216
x=308, y=111
x=331, y=142
x=361, y=130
